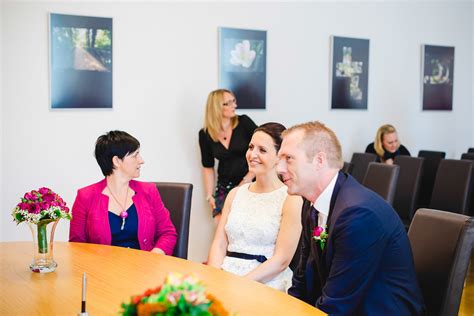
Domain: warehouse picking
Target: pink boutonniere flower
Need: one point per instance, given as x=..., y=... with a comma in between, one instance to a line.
x=320, y=235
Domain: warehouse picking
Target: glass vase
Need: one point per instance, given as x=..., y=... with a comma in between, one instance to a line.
x=43, y=240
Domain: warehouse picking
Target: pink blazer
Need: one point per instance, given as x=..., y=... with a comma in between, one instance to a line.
x=90, y=220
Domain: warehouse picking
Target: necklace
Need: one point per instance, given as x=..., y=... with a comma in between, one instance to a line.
x=225, y=132
x=123, y=213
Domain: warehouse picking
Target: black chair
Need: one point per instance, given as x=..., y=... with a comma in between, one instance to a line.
x=360, y=162
x=428, y=175
x=470, y=150
x=452, y=187
x=347, y=168
x=382, y=179
x=442, y=243
x=408, y=186
x=467, y=156
x=177, y=199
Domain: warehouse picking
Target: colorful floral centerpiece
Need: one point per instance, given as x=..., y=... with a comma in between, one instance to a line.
x=39, y=208
x=179, y=295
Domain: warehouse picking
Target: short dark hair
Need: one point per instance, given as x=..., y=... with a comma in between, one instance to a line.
x=273, y=130
x=113, y=143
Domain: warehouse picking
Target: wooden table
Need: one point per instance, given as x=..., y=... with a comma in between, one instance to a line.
x=113, y=275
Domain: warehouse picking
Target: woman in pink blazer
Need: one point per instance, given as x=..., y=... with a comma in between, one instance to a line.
x=118, y=210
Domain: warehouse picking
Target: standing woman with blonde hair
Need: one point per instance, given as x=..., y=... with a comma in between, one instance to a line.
x=225, y=137
x=386, y=145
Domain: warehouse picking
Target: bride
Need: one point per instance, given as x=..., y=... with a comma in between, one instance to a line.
x=261, y=224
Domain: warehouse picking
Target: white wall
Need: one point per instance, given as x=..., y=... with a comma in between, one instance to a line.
x=1, y=121
x=165, y=63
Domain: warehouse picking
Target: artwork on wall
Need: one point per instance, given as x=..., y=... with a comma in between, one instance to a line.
x=438, y=75
x=80, y=61
x=242, y=65
x=349, y=73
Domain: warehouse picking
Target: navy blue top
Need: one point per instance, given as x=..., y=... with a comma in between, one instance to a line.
x=128, y=237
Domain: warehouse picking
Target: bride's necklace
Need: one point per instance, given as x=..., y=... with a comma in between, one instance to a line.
x=123, y=213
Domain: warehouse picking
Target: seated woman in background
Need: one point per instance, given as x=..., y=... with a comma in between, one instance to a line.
x=120, y=211
x=225, y=137
x=386, y=145
x=261, y=224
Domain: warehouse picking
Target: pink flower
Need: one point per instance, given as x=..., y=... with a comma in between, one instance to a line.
x=28, y=196
x=44, y=190
x=34, y=208
x=45, y=206
x=48, y=197
x=320, y=235
x=23, y=206
x=317, y=231
x=34, y=195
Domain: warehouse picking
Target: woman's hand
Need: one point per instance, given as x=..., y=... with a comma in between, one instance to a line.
x=389, y=161
x=211, y=201
x=158, y=250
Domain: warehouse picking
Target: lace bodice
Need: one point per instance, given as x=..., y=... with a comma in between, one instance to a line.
x=252, y=228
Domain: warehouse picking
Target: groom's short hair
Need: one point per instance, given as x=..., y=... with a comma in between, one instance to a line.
x=318, y=137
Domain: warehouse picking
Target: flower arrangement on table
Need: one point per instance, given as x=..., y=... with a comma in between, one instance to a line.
x=41, y=207
x=179, y=295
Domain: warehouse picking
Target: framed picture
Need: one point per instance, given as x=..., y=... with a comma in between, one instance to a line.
x=80, y=62
x=438, y=75
x=242, y=65
x=349, y=73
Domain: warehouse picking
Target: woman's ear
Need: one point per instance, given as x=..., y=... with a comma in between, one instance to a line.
x=116, y=161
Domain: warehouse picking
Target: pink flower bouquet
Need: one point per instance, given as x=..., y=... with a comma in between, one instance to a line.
x=41, y=207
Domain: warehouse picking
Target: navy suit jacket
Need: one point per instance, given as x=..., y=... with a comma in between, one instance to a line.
x=366, y=267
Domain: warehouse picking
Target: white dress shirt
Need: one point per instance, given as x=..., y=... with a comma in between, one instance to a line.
x=323, y=202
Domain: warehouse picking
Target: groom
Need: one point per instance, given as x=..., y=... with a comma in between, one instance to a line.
x=364, y=265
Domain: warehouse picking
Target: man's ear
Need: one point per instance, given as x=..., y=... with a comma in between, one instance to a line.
x=319, y=160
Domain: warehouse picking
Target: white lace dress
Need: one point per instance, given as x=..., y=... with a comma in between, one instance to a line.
x=252, y=228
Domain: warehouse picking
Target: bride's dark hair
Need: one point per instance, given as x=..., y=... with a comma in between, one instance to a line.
x=273, y=130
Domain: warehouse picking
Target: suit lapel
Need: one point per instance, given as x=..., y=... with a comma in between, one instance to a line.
x=341, y=179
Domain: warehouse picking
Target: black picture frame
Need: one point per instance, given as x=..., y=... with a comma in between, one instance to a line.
x=349, y=73
x=80, y=61
x=437, y=80
x=242, y=65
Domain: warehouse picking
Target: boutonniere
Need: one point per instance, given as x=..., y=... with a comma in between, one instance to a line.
x=320, y=235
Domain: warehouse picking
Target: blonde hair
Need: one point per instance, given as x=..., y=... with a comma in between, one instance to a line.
x=378, y=143
x=320, y=138
x=213, y=116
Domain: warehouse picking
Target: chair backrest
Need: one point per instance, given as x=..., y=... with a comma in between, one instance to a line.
x=441, y=243
x=428, y=175
x=408, y=185
x=452, y=187
x=382, y=179
x=470, y=150
x=360, y=162
x=347, y=168
x=467, y=156
x=177, y=199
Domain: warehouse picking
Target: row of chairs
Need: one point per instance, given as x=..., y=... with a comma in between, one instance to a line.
x=416, y=182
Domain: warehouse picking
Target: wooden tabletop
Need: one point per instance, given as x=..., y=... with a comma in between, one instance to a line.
x=113, y=275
